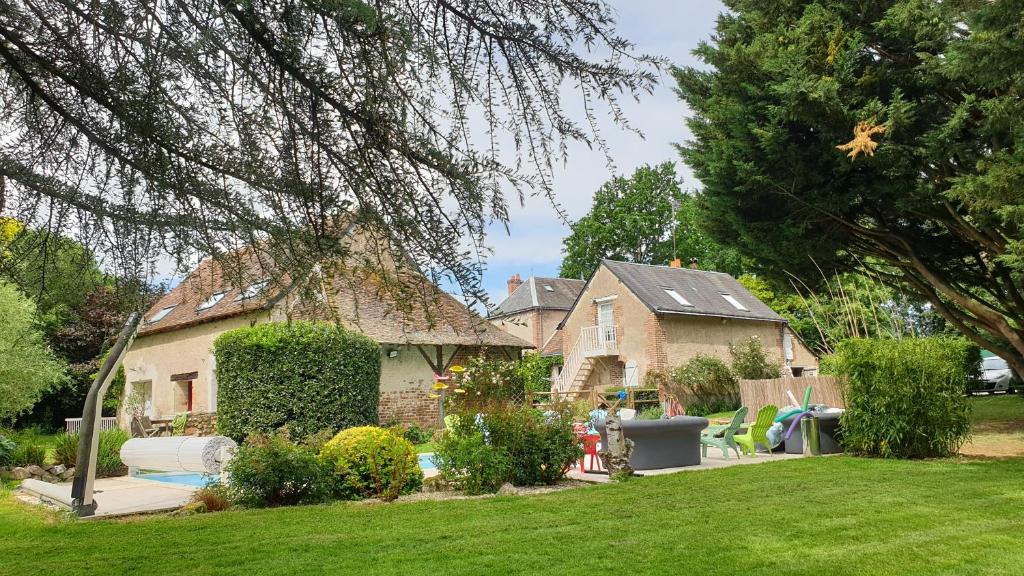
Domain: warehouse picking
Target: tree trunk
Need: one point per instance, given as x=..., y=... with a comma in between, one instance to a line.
x=619, y=448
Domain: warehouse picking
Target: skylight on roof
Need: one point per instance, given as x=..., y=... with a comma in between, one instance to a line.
x=677, y=297
x=735, y=303
x=549, y=288
x=211, y=301
x=161, y=314
x=252, y=291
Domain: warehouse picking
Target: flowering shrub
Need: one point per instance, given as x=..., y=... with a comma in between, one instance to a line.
x=482, y=382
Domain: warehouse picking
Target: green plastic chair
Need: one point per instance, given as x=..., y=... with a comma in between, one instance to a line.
x=178, y=424
x=709, y=437
x=758, y=431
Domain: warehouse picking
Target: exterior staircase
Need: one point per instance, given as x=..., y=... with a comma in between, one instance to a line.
x=594, y=342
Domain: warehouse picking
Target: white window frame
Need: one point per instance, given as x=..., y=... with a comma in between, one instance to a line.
x=212, y=301
x=735, y=303
x=161, y=314
x=252, y=291
x=677, y=297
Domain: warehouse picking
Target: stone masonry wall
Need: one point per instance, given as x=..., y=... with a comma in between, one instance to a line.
x=201, y=424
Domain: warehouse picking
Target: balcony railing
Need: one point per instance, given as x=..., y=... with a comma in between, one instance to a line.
x=602, y=340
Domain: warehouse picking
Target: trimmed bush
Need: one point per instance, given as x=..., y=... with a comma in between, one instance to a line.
x=704, y=385
x=273, y=471
x=904, y=398
x=372, y=462
x=308, y=376
x=749, y=361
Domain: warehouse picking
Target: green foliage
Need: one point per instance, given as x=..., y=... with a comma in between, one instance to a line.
x=28, y=455
x=467, y=462
x=904, y=398
x=640, y=219
x=310, y=376
x=704, y=385
x=273, y=471
x=372, y=462
x=108, y=454
x=484, y=382
x=416, y=435
x=781, y=85
x=512, y=443
x=651, y=413
x=535, y=371
x=27, y=365
x=7, y=449
x=749, y=361
x=540, y=446
x=65, y=449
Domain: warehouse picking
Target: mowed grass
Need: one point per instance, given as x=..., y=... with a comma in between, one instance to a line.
x=996, y=409
x=836, y=515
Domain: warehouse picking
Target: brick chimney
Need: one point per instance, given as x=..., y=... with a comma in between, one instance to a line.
x=675, y=263
x=694, y=264
x=514, y=282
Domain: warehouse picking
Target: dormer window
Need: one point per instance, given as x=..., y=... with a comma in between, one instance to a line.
x=211, y=301
x=677, y=297
x=252, y=291
x=735, y=303
x=161, y=314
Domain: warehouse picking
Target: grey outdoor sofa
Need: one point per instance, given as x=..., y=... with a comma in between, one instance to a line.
x=665, y=443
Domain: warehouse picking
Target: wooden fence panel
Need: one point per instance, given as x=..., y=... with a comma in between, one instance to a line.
x=755, y=394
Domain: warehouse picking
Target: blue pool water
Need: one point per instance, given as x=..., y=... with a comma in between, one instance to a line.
x=183, y=478
x=427, y=461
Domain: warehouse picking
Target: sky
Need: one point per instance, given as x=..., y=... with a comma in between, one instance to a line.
x=532, y=246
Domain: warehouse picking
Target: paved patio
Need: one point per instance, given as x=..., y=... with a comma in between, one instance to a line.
x=122, y=496
x=711, y=461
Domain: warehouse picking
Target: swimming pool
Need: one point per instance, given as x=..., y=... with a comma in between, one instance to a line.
x=184, y=478
x=427, y=461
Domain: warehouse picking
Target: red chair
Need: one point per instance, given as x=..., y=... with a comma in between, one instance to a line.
x=590, y=449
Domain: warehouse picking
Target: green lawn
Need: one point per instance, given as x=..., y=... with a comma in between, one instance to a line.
x=425, y=447
x=1005, y=408
x=836, y=515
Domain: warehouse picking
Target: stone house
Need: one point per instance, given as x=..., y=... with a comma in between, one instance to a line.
x=631, y=320
x=422, y=331
x=534, y=308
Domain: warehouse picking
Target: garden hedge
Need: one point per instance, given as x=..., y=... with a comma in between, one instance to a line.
x=905, y=398
x=310, y=376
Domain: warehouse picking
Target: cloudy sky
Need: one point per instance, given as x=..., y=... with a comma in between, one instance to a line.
x=668, y=28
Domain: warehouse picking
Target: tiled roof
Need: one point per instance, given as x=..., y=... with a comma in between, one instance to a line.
x=364, y=301
x=703, y=292
x=553, y=347
x=244, y=268
x=360, y=299
x=546, y=293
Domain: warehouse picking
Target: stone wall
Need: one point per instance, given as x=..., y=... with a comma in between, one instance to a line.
x=53, y=473
x=201, y=424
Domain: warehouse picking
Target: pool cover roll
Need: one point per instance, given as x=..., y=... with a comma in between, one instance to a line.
x=176, y=453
